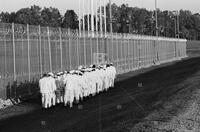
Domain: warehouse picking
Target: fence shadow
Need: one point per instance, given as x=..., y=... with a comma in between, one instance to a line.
x=22, y=91
x=158, y=85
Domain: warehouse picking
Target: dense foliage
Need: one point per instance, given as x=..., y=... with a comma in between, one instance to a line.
x=125, y=20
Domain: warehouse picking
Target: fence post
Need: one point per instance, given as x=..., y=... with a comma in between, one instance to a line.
x=139, y=55
x=61, y=54
x=112, y=61
x=70, y=64
x=5, y=53
x=91, y=37
x=108, y=48
x=84, y=48
x=28, y=40
x=121, y=57
x=133, y=54
x=77, y=45
x=117, y=35
x=129, y=54
x=148, y=50
x=49, y=42
x=105, y=47
x=125, y=53
x=14, y=63
x=145, y=52
x=40, y=42
x=97, y=35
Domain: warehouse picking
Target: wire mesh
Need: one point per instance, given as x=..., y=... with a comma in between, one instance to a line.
x=28, y=51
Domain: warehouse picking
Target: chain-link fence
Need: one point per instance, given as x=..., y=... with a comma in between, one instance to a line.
x=28, y=51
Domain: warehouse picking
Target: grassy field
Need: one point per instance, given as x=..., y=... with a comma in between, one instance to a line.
x=163, y=98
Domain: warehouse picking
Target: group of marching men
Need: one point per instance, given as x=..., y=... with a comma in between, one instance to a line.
x=72, y=86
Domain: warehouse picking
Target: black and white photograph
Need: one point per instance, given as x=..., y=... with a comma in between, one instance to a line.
x=99, y=66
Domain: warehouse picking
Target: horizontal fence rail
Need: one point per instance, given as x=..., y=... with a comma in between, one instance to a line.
x=27, y=51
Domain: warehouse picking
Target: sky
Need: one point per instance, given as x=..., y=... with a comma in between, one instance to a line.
x=63, y=5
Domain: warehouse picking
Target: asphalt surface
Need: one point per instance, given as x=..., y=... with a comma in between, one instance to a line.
x=133, y=98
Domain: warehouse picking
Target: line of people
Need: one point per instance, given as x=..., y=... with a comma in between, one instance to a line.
x=72, y=86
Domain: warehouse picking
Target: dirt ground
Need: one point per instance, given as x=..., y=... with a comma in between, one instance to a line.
x=163, y=98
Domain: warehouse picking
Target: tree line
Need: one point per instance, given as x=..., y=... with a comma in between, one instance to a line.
x=125, y=19
x=35, y=15
x=141, y=21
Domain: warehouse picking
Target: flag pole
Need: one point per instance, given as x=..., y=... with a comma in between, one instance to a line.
x=92, y=16
x=105, y=24
x=101, y=30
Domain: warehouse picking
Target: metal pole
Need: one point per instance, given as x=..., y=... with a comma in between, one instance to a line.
x=101, y=28
x=97, y=16
x=79, y=16
x=178, y=23
x=105, y=23
x=97, y=29
x=77, y=46
x=129, y=53
x=40, y=42
x=91, y=37
x=70, y=63
x=5, y=53
x=61, y=54
x=111, y=30
x=88, y=16
x=175, y=27
x=112, y=47
x=14, y=63
x=92, y=29
x=84, y=31
x=117, y=43
x=92, y=16
x=121, y=57
x=108, y=50
x=83, y=16
x=97, y=35
x=49, y=42
x=28, y=40
x=156, y=17
x=84, y=48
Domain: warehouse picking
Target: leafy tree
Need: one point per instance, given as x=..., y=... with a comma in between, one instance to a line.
x=29, y=16
x=124, y=19
x=23, y=16
x=36, y=15
x=12, y=17
x=70, y=20
x=5, y=17
x=115, y=17
x=51, y=17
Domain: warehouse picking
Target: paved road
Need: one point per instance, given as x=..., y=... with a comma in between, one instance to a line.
x=133, y=98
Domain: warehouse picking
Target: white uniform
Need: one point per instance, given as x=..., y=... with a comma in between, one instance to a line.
x=60, y=89
x=52, y=91
x=83, y=87
x=87, y=79
x=98, y=81
x=93, y=79
x=69, y=90
x=114, y=72
x=47, y=89
x=77, y=88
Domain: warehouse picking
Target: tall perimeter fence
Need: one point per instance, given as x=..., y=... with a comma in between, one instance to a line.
x=28, y=51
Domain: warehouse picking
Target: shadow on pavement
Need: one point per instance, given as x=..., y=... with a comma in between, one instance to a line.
x=135, y=96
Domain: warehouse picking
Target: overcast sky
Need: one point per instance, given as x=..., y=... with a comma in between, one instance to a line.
x=63, y=5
